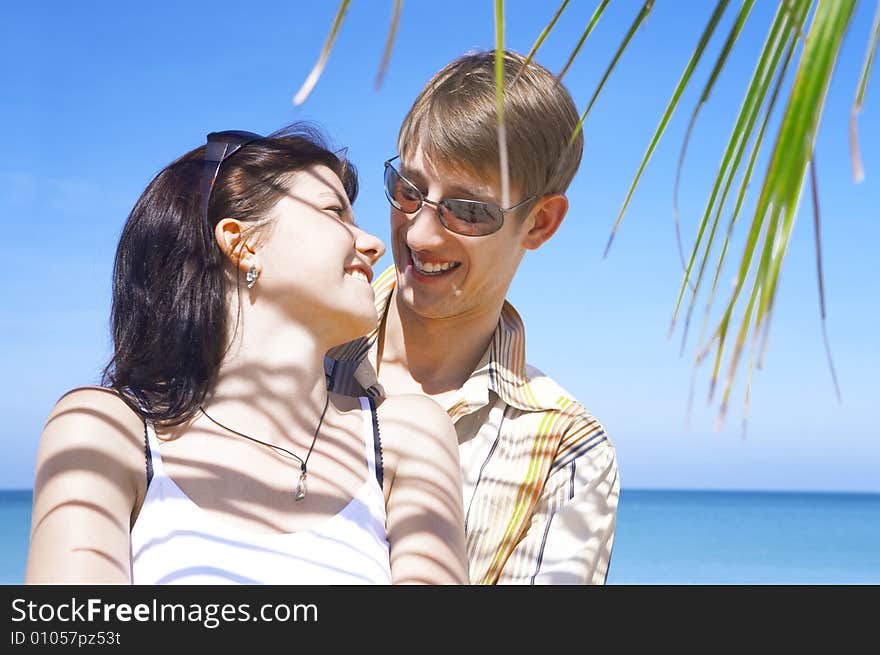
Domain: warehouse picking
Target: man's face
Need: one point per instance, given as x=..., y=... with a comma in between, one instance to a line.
x=441, y=274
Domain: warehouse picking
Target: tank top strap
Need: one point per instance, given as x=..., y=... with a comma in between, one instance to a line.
x=372, y=441
x=154, y=457
x=137, y=402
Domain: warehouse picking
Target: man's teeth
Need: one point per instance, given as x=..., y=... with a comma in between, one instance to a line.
x=360, y=275
x=431, y=267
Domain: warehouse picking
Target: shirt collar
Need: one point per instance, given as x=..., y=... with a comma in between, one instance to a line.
x=502, y=369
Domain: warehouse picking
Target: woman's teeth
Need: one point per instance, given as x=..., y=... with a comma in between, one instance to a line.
x=360, y=275
x=431, y=268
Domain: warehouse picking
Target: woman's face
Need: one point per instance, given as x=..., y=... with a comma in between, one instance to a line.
x=315, y=262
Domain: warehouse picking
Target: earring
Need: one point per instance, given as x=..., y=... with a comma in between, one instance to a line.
x=252, y=276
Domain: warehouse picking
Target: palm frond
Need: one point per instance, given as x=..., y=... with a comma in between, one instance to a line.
x=814, y=187
x=858, y=171
x=389, y=43
x=643, y=14
x=744, y=184
x=782, y=37
x=595, y=19
x=499, y=100
x=670, y=108
x=732, y=37
x=541, y=38
x=313, y=77
x=768, y=235
x=781, y=191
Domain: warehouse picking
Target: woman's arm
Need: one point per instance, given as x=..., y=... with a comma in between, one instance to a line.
x=89, y=467
x=425, y=519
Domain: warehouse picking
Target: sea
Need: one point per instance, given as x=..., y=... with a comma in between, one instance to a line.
x=675, y=537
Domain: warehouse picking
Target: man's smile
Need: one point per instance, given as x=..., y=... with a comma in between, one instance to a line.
x=425, y=264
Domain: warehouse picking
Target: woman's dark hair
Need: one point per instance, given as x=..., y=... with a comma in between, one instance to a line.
x=170, y=280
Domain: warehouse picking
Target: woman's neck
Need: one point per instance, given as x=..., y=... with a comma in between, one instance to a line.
x=271, y=383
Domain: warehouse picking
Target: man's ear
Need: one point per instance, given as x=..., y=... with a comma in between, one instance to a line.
x=230, y=237
x=544, y=219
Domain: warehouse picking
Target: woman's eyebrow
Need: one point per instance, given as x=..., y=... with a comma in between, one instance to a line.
x=335, y=195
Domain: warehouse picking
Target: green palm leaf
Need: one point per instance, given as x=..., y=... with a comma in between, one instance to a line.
x=814, y=187
x=858, y=171
x=315, y=75
x=499, y=99
x=670, y=108
x=543, y=36
x=732, y=37
x=389, y=44
x=782, y=36
x=744, y=184
x=780, y=193
x=643, y=14
x=772, y=223
x=595, y=19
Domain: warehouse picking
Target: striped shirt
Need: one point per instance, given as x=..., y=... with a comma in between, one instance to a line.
x=539, y=472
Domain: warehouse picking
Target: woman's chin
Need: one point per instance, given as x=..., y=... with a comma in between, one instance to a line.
x=355, y=324
x=367, y=322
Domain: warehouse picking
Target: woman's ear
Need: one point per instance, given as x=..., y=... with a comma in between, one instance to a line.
x=544, y=219
x=230, y=237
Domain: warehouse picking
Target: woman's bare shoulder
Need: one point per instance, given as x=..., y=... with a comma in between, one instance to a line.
x=90, y=475
x=93, y=418
x=412, y=404
x=425, y=520
x=412, y=422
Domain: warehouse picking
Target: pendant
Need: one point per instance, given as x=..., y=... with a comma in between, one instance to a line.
x=300, y=492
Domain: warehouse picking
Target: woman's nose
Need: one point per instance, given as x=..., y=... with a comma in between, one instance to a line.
x=370, y=245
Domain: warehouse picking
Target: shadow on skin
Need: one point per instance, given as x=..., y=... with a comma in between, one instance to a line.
x=205, y=479
x=124, y=569
x=430, y=515
x=216, y=488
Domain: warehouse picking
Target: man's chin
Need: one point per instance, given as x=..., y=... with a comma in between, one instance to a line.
x=422, y=306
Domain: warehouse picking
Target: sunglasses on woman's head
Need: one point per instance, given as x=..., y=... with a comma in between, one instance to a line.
x=472, y=218
x=221, y=146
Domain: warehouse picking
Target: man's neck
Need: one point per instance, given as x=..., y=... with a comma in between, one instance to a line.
x=434, y=357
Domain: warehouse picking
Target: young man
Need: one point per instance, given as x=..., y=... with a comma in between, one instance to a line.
x=539, y=472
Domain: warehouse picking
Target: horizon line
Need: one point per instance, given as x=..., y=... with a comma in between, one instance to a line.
x=666, y=489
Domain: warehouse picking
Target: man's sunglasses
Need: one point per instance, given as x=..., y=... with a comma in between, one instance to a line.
x=471, y=218
x=221, y=146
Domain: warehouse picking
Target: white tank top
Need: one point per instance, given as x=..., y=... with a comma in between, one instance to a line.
x=174, y=541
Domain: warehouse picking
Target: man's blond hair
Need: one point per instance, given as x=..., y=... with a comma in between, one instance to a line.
x=454, y=121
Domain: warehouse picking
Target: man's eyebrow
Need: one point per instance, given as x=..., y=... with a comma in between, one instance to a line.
x=468, y=193
x=478, y=192
x=410, y=173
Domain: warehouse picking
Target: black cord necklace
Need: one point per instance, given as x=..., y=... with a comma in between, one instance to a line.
x=300, y=492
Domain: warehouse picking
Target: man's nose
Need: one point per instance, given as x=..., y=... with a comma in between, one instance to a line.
x=425, y=230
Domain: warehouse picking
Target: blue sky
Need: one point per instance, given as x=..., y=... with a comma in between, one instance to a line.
x=98, y=97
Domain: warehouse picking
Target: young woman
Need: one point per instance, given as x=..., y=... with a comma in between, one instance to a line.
x=214, y=453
